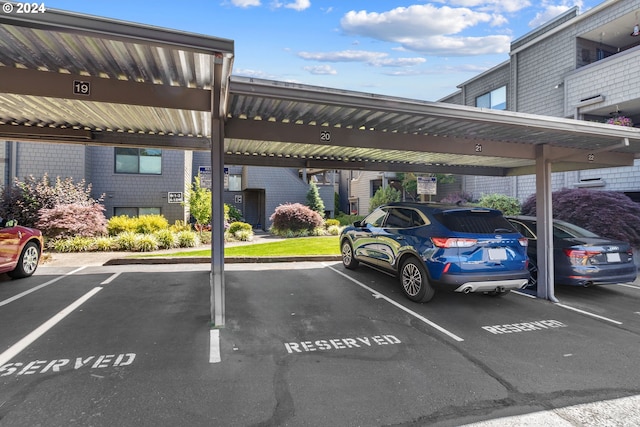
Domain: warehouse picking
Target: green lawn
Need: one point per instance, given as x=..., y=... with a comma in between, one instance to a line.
x=323, y=245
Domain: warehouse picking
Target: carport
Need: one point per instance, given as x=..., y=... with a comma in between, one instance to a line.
x=71, y=78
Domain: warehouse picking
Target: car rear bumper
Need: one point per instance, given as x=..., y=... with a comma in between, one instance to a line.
x=485, y=283
x=598, y=276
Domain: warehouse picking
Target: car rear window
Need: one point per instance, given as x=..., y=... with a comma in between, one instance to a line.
x=475, y=221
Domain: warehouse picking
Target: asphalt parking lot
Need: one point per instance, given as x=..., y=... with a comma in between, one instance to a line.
x=308, y=344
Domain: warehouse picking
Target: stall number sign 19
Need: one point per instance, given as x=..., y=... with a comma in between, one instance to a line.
x=81, y=88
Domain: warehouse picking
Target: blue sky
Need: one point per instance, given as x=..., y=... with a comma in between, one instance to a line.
x=411, y=49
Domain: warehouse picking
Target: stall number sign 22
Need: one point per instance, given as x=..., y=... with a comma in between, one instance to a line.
x=81, y=88
x=325, y=136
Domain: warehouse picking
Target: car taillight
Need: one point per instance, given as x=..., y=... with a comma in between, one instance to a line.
x=579, y=256
x=523, y=241
x=451, y=242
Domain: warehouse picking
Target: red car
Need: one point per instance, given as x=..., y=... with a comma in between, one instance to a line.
x=20, y=249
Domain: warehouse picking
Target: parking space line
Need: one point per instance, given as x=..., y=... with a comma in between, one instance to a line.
x=627, y=286
x=25, y=342
x=111, y=279
x=378, y=295
x=27, y=292
x=525, y=294
x=214, y=346
x=597, y=316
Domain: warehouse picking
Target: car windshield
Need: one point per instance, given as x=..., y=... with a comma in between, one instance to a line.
x=475, y=221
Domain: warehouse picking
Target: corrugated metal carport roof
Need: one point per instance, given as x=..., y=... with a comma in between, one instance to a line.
x=154, y=87
x=66, y=77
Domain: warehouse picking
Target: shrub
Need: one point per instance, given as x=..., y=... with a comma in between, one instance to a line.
x=188, y=239
x=150, y=223
x=607, y=213
x=232, y=213
x=383, y=196
x=120, y=224
x=331, y=222
x=179, y=226
x=104, y=244
x=333, y=230
x=146, y=243
x=238, y=226
x=295, y=217
x=126, y=241
x=508, y=205
x=243, y=235
x=72, y=220
x=348, y=219
x=165, y=238
x=24, y=199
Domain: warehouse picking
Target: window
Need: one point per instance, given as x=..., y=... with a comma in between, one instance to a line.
x=404, y=218
x=375, y=218
x=494, y=100
x=235, y=183
x=133, y=212
x=375, y=185
x=147, y=161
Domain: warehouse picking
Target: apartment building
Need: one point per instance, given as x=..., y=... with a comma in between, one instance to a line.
x=581, y=66
x=138, y=181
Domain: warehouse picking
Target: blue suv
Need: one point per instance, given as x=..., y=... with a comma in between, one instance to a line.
x=431, y=246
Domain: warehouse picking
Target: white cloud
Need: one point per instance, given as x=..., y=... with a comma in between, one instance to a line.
x=295, y=4
x=552, y=10
x=376, y=59
x=245, y=3
x=321, y=70
x=428, y=29
x=509, y=6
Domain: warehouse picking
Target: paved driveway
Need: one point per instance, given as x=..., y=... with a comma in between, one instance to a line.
x=307, y=344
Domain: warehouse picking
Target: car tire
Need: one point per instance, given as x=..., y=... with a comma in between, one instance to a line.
x=414, y=281
x=533, y=275
x=27, y=263
x=348, y=257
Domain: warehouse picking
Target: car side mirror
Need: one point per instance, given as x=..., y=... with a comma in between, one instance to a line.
x=358, y=224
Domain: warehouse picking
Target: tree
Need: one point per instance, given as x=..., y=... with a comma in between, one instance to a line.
x=199, y=202
x=24, y=200
x=313, y=199
x=383, y=196
x=606, y=213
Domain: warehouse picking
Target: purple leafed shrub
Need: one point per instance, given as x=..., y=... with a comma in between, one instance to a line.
x=73, y=219
x=295, y=217
x=606, y=213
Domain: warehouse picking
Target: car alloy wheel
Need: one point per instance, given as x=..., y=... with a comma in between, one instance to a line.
x=27, y=263
x=347, y=255
x=414, y=281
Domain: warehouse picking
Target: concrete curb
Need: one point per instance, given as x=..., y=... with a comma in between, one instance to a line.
x=227, y=260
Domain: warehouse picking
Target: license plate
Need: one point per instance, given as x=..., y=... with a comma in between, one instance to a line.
x=613, y=257
x=497, y=254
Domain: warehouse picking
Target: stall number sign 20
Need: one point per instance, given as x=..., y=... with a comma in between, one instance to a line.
x=325, y=136
x=81, y=88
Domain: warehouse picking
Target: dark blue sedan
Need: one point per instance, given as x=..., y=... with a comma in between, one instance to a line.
x=431, y=246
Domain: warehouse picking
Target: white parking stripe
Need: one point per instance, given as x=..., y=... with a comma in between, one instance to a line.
x=111, y=279
x=378, y=295
x=627, y=286
x=597, y=316
x=524, y=294
x=40, y=330
x=214, y=346
x=20, y=295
